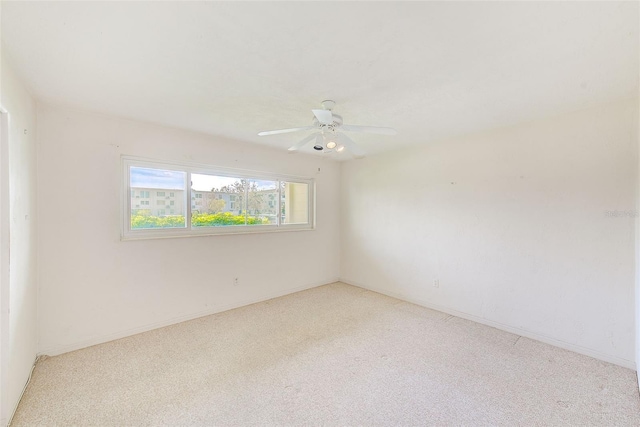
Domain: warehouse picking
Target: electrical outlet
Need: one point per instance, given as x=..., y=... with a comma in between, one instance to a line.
x=436, y=283
x=235, y=281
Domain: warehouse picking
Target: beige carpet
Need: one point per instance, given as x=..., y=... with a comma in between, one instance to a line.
x=333, y=355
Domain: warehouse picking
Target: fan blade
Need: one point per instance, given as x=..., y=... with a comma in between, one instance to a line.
x=299, y=145
x=325, y=117
x=351, y=146
x=279, y=131
x=369, y=129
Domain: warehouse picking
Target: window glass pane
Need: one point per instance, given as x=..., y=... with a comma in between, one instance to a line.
x=217, y=201
x=262, y=198
x=294, y=205
x=145, y=183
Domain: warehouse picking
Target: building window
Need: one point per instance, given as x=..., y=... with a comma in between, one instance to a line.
x=222, y=201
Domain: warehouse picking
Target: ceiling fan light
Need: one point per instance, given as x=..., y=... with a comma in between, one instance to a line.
x=331, y=144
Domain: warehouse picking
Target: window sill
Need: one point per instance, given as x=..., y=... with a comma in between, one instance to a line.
x=150, y=234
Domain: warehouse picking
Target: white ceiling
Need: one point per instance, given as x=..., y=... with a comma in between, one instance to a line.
x=431, y=70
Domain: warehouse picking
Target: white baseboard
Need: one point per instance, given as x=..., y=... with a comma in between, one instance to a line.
x=522, y=332
x=57, y=350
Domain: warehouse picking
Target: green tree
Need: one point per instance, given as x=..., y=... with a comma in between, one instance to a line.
x=216, y=205
x=257, y=199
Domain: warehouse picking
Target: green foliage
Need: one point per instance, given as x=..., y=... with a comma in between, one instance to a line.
x=224, y=218
x=148, y=221
x=197, y=220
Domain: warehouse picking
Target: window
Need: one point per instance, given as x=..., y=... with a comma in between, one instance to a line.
x=146, y=219
x=221, y=200
x=294, y=197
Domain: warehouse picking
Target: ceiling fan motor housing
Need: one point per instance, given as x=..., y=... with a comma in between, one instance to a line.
x=337, y=122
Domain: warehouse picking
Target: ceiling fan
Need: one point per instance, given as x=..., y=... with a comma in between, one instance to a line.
x=329, y=134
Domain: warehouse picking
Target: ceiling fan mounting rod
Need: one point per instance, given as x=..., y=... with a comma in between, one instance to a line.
x=328, y=104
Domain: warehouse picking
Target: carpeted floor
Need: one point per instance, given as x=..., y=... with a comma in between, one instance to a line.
x=333, y=355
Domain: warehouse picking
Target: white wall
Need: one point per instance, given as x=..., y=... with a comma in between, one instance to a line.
x=94, y=287
x=20, y=343
x=512, y=223
x=637, y=288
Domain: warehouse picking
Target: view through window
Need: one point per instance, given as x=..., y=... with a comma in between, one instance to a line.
x=160, y=199
x=150, y=191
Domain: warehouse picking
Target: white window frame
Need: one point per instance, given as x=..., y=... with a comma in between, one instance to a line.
x=127, y=233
